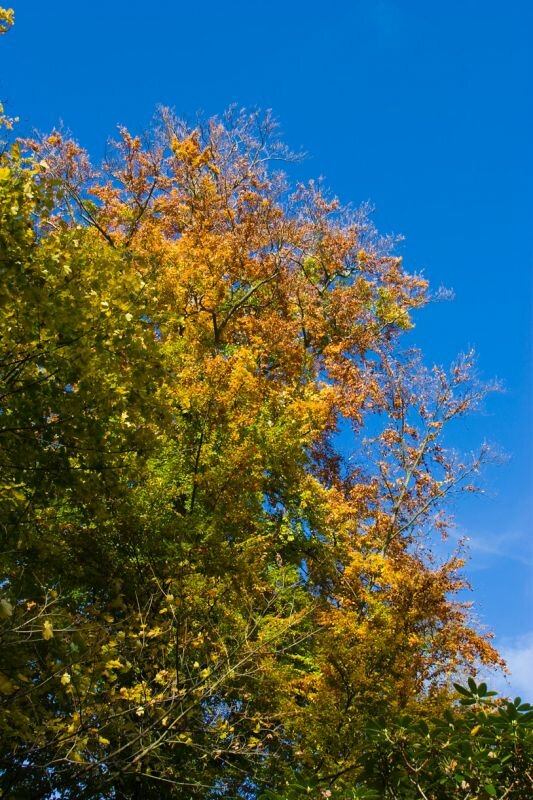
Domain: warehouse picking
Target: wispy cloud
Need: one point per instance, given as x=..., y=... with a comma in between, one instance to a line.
x=518, y=653
x=511, y=545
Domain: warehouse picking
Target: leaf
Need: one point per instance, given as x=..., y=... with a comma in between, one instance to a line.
x=48, y=630
x=6, y=686
x=6, y=609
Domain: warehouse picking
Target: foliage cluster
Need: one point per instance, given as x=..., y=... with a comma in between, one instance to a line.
x=481, y=749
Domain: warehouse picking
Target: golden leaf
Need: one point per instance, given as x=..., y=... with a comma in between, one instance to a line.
x=48, y=630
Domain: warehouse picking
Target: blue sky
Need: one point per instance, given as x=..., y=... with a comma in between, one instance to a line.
x=423, y=108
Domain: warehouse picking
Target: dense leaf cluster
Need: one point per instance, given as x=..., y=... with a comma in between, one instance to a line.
x=482, y=748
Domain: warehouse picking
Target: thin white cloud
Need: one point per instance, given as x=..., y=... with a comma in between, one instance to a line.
x=519, y=657
x=518, y=653
x=510, y=545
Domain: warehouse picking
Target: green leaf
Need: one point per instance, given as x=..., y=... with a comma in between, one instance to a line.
x=461, y=689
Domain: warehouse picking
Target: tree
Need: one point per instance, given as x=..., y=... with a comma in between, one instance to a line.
x=202, y=593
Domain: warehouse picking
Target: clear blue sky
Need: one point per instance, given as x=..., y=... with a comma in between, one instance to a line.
x=424, y=108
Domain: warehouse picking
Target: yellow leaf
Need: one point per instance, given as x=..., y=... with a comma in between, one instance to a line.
x=6, y=687
x=48, y=630
x=6, y=609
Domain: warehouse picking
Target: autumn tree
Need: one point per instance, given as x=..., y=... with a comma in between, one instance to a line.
x=202, y=594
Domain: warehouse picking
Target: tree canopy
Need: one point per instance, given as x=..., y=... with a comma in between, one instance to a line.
x=223, y=478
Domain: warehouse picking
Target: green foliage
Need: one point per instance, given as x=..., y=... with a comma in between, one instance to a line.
x=483, y=750
x=480, y=748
